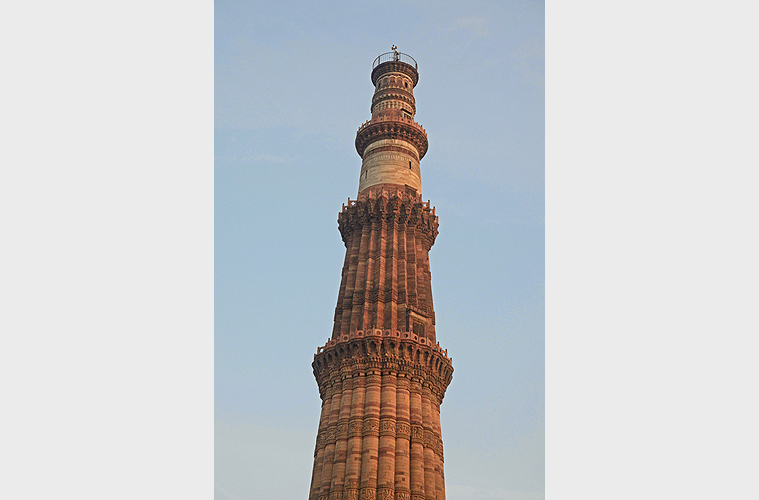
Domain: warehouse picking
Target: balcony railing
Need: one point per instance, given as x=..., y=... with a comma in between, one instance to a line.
x=394, y=56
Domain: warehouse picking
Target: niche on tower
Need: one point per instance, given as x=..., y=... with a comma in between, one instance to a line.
x=416, y=322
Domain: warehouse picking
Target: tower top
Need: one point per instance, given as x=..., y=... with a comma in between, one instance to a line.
x=394, y=61
x=391, y=143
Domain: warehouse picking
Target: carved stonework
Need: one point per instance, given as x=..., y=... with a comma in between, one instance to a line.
x=371, y=426
x=373, y=379
x=410, y=131
x=389, y=354
x=350, y=494
x=330, y=434
x=389, y=208
x=403, y=383
x=402, y=494
x=385, y=494
x=387, y=428
x=336, y=495
x=367, y=494
x=403, y=430
x=355, y=428
x=394, y=67
x=428, y=438
x=417, y=433
x=342, y=430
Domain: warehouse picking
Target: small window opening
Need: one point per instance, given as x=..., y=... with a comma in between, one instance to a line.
x=418, y=329
x=409, y=165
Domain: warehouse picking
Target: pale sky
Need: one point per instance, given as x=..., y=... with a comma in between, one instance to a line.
x=292, y=86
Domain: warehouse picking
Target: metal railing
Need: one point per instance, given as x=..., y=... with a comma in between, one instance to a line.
x=394, y=56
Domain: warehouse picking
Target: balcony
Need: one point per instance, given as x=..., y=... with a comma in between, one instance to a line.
x=394, y=56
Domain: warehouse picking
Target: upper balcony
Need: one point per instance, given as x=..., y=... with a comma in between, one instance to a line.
x=394, y=61
x=394, y=56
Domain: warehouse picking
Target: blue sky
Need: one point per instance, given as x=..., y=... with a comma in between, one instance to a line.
x=291, y=87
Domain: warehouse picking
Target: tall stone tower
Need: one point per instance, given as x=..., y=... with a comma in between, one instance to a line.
x=382, y=375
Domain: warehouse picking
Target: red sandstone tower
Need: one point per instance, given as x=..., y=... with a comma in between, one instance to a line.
x=382, y=375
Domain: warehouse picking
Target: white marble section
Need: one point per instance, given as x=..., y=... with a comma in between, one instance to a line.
x=389, y=167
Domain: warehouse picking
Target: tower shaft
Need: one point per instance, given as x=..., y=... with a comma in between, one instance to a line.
x=382, y=375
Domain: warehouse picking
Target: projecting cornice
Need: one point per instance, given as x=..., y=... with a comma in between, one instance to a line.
x=395, y=67
x=373, y=352
x=392, y=128
x=389, y=208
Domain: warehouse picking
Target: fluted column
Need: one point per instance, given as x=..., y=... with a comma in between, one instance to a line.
x=401, y=273
x=355, y=429
x=341, y=441
x=352, y=244
x=430, y=484
x=402, y=440
x=359, y=290
x=340, y=296
x=440, y=476
x=417, y=441
x=411, y=266
x=370, y=441
x=368, y=320
x=316, y=478
x=329, y=449
x=382, y=275
x=386, y=463
x=391, y=275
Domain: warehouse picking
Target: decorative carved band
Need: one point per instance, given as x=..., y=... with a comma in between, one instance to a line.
x=355, y=428
x=392, y=129
x=342, y=430
x=395, y=94
x=428, y=438
x=408, y=99
x=319, y=442
x=394, y=209
x=366, y=357
x=367, y=493
x=373, y=379
x=417, y=434
x=402, y=494
x=395, y=67
x=330, y=434
x=403, y=383
x=371, y=426
x=387, y=427
x=403, y=430
x=428, y=367
x=384, y=493
x=350, y=493
x=397, y=149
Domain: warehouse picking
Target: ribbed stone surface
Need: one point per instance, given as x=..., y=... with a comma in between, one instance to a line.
x=382, y=375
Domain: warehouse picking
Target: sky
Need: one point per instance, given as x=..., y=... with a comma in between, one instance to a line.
x=291, y=87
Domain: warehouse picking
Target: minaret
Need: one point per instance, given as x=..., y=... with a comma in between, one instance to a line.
x=382, y=375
